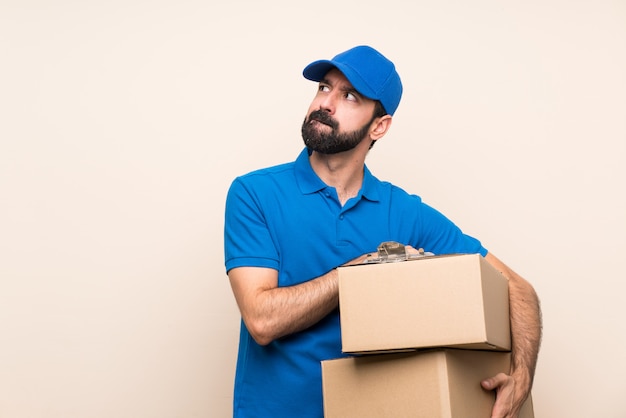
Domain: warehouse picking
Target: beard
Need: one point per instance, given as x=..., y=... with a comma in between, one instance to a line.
x=330, y=141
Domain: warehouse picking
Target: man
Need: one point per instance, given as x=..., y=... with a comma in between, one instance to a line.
x=289, y=227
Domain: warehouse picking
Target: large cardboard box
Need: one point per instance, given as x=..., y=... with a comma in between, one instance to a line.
x=438, y=383
x=447, y=301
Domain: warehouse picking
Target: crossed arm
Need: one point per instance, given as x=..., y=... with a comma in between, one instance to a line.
x=271, y=312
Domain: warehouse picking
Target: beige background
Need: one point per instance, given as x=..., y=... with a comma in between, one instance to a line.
x=122, y=124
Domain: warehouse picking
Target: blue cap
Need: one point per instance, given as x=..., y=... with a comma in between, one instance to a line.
x=369, y=72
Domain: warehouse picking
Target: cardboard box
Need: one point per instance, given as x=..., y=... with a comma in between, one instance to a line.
x=438, y=383
x=447, y=301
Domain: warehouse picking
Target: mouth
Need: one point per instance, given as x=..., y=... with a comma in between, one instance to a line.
x=315, y=121
x=318, y=117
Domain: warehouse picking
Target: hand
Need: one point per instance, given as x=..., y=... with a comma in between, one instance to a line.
x=361, y=259
x=508, y=401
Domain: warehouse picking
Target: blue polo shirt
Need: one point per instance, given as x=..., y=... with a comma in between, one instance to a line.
x=286, y=218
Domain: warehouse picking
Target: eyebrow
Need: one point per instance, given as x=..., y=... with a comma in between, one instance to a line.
x=347, y=89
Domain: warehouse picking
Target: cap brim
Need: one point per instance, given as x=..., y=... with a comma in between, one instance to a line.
x=317, y=70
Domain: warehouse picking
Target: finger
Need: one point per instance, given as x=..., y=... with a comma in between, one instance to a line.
x=410, y=250
x=360, y=260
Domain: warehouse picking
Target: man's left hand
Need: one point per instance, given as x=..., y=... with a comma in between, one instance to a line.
x=508, y=402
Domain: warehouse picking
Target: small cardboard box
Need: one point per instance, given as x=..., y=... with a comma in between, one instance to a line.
x=446, y=301
x=438, y=383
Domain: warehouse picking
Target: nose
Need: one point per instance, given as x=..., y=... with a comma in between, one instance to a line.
x=327, y=103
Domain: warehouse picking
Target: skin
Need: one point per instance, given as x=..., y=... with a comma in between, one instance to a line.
x=271, y=312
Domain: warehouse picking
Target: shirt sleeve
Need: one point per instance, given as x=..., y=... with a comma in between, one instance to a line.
x=247, y=239
x=440, y=235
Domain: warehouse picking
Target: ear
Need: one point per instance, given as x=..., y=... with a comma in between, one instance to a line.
x=380, y=127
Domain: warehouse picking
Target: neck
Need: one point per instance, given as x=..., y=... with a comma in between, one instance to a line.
x=343, y=171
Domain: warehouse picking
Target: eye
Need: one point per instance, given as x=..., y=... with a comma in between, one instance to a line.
x=324, y=88
x=351, y=97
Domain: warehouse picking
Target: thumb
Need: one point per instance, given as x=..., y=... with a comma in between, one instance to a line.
x=494, y=382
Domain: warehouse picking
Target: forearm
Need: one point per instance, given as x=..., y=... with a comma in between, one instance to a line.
x=526, y=329
x=291, y=309
x=271, y=312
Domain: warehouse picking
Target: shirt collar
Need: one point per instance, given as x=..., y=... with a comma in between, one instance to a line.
x=309, y=182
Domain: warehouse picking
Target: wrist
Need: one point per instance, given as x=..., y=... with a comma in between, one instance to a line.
x=523, y=381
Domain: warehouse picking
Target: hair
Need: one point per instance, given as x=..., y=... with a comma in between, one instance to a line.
x=379, y=111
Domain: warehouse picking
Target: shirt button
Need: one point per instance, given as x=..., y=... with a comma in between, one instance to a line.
x=341, y=217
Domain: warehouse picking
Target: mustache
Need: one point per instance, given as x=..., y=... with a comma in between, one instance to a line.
x=323, y=117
